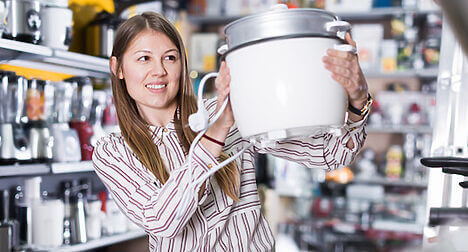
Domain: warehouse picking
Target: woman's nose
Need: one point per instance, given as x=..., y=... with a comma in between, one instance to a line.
x=158, y=68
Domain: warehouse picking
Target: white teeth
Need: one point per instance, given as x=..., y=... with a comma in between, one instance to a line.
x=155, y=86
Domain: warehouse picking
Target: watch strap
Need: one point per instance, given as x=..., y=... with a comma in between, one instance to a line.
x=364, y=110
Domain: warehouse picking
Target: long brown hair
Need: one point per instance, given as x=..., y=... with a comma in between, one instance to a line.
x=135, y=129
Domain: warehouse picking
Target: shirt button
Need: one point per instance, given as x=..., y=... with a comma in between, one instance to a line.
x=210, y=165
x=165, y=130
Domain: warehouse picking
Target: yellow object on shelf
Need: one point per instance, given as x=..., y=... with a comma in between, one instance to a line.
x=107, y=5
x=35, y=73
x=84, y=12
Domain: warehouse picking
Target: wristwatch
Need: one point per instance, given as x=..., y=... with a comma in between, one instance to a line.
x=364, y=110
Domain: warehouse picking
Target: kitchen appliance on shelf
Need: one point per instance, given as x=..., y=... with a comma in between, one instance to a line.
x=57, y=20
x=3, y=15
x=39, y=104
x=8, y=227
x=99, y=105
x=74, y=223
x=66, y=146
x=13, y=142
x=23, y=20
x=82, y=101
x=100, y=34
x=300, y=98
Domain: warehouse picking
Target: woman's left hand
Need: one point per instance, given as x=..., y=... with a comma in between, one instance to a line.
x=346, y=71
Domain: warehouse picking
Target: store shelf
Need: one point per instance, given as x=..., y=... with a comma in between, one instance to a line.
x=399, y=129
x=39, y=57
x=72, y=167
x=212, y=19
x=23, y=170
x=422, y=73
x=376, y=13
x=105, y=241
x=379, y=13
x=44, y=169
x=389, y=182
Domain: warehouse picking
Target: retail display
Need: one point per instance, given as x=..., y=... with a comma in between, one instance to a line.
x=100, y=34
x=39, y=103
x=3, y=17
x=66, y=145
x=81, y=109
x=56, y=28
x=24, y=20
x=14, y=144
x=327, y=215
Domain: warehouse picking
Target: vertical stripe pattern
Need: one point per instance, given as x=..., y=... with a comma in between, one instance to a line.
x=216, y=222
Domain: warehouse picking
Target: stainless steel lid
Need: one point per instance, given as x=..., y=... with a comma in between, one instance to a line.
x=281, y=22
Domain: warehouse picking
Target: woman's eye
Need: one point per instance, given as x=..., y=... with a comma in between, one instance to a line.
x=170, y=58
x=143, y=58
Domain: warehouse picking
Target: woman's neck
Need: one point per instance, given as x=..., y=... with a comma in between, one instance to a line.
x=158, y=117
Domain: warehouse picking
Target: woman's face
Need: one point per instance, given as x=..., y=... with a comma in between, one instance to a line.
x=151, y=68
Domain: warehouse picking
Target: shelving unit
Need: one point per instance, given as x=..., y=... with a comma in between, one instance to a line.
x=39, y=57
x=375, y=13
x=104, y=241
x=45, y=169
x=23, y=170
x=389, y=182
x=424, y=129
x=422, y=73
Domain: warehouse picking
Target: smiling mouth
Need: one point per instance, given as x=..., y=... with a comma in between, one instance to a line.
x=155, y=86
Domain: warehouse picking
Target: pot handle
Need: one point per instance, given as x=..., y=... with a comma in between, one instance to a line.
x=222, y=49
x=200, y=120
x=339, y=27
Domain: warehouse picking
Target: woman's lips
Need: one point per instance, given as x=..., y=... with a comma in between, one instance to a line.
x=157, y=88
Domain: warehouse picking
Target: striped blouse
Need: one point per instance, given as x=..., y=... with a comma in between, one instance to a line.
x=215, y=222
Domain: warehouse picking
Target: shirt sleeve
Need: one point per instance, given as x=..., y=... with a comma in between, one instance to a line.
x=139, y=196
x=327, y=151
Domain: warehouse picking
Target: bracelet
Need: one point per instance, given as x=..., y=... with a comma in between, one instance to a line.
x=213, y=140
x=364, y=110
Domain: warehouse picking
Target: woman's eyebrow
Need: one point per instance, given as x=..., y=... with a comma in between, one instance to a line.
x=143, y=51
x=172, y=50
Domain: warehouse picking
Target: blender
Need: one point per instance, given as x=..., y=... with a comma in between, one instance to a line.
x=66, y=142
x=39, y=103
x=82, y=102
x=99, y=106
x=13, y=142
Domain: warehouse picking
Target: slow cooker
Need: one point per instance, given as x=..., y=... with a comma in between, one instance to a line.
x=279, y=85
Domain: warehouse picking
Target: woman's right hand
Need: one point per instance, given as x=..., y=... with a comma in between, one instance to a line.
x=222, y=82
x=221, y=127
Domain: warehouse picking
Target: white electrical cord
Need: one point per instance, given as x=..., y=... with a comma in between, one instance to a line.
x=199, y=122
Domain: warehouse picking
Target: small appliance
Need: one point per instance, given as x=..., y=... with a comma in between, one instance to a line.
x=57, y=20
x=82, y=101
x=99, y=105
x=66, y=146
x=13, y=142
x=23, y=20
x=39, y=104
x=301, y=98
x=3, y=15
x=100, y=34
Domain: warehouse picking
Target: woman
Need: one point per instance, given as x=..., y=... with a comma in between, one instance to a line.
x=145, y=169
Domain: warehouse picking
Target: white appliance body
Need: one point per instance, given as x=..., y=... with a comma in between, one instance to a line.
x=56, y=27
x=281, y=89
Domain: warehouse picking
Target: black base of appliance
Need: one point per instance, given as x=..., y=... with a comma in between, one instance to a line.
x=23, y=38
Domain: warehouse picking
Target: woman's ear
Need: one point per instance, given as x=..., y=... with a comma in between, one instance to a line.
x=114, y=64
